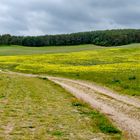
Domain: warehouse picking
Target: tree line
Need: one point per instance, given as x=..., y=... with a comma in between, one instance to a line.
x=102, y=38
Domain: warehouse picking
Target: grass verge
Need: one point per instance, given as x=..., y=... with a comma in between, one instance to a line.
x=34, y=108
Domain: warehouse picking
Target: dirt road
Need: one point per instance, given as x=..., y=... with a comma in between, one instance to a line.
x=124, y=111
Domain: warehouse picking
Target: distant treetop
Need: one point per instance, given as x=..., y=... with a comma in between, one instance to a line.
x=102, y=38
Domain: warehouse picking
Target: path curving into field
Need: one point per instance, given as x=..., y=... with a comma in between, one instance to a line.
x=124, y=111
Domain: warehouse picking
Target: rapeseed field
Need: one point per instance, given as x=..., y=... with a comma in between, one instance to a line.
x=114, y=67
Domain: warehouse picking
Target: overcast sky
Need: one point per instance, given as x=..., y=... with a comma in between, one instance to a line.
x=38, y=17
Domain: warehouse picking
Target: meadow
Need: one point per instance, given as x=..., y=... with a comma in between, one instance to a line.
x=114, y=67
x=35, y=108
x=13, y=50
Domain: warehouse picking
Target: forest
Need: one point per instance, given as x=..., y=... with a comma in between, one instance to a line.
x=102, y=38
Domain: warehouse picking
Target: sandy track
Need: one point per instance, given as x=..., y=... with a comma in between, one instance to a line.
x=123, y=110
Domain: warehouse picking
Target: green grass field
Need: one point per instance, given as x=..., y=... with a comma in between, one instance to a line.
x=37, y=109
x=114, y=67
x=34, y=108
x=22, y=50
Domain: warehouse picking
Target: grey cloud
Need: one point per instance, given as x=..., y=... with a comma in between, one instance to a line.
x=35, y=17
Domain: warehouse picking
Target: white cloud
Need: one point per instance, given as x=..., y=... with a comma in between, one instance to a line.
x=36, y=17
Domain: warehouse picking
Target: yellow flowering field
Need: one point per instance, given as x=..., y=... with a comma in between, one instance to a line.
x=116, y=67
